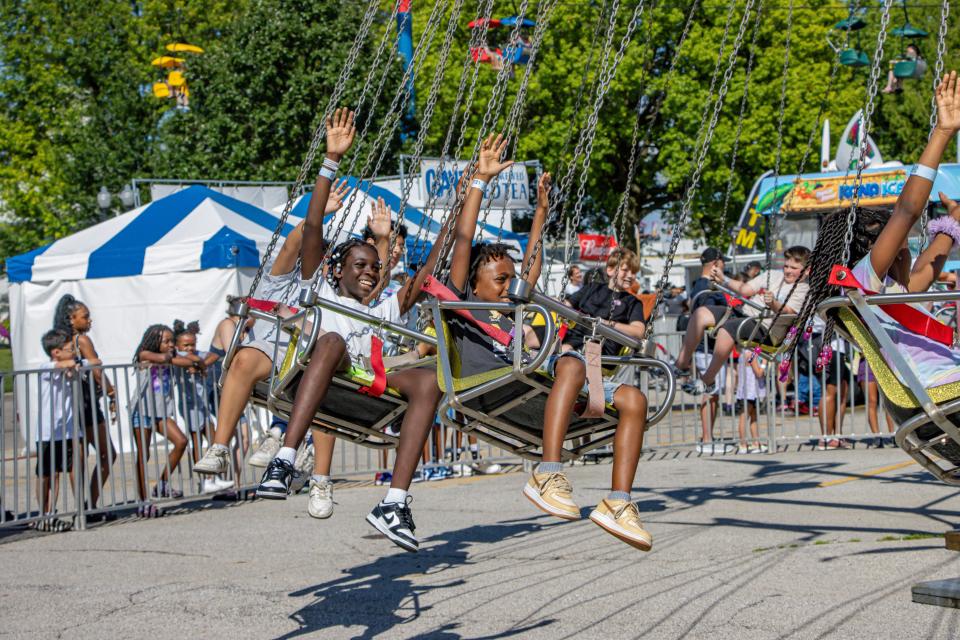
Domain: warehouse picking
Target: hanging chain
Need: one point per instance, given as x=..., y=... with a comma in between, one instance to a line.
x=937, y=74
x=865, y=126
x=687, y=206
x=558, y=203
x=478, y=36
x=335, y=95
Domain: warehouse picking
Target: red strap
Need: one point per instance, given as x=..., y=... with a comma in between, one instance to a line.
x=435, y=288
x=379, y=384
x=911, y=318
x=562, y=332
x=269, y=306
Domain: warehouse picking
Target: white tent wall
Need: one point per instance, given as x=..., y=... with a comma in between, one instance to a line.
x=121, y=309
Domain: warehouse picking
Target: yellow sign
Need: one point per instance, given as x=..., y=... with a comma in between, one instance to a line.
x=835, y=192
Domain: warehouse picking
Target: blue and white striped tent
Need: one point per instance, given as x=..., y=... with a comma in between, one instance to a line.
x=176, y=257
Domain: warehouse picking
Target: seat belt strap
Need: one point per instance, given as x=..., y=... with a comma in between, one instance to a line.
x=433, y=287
x=267, y=306
x=379, y=384
x=592, y=353
x=911, y=318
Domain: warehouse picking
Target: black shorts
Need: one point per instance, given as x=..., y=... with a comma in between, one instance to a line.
x=50, y=457
x=748, y=329
x=838, y=371
x=718, y=311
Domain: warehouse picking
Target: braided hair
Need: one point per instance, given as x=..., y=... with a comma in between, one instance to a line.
x=831, y=239
x=151, y=340
x=180, y=328
x=483, y=252
x=63, y=316
x=338, y=256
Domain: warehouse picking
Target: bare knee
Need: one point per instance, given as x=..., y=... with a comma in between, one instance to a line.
x=630, y=401
x=570, y=370
x=245, y=364
x=330, y=345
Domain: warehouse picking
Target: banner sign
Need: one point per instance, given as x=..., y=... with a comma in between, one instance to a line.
x=595, y=247
x=833, y=192
x=511, y=189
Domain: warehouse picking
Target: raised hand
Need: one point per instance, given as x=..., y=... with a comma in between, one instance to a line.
x=543, y=190
x=337, y=196
x=379, y=219
x=948, y=103
x=491, y=150
x=340, y=132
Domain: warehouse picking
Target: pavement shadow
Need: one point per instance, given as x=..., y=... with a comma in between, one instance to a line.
x=380, y=595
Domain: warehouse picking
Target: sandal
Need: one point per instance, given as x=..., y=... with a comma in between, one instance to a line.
x=53, y=525
x=149, y=510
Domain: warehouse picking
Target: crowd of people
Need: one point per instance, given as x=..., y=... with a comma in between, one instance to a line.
x=756, y=308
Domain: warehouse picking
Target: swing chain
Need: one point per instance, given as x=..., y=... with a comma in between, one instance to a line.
x=338, y=89
x=558, y=203
x=604, y=87
x=937, y=74
x=687, y=206
x=872, y=86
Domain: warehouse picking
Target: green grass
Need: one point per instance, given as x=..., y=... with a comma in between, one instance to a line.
x=6, y=364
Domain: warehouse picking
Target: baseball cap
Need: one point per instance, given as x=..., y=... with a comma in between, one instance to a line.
x=710, y=254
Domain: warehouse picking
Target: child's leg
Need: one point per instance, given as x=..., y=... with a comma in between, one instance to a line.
x=249, y=366
x=754, y=427
x=742, y=424
x=700, y=320
x=569, y=376
x=168, y=429
x=323, y=444
x=870, y=390
x=43, y=493
x=327, y=358
x=100, y=438
x=141, y=441
x=195, y=441
x=419, y=387
x=723, y=347
x=631, y=404
x=828, y=410
x=708, y=416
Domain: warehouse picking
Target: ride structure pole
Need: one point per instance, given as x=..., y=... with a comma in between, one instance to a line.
x=405, y=47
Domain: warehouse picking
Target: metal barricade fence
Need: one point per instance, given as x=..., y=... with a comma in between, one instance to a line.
x=62, y=456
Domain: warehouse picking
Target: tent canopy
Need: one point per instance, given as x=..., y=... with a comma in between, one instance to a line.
x=190, y=230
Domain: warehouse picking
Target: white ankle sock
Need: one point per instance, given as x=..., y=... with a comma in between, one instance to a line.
x=287, y=453
x=397, y=496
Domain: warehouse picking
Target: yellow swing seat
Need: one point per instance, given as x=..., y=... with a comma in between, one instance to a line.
x=927, y=419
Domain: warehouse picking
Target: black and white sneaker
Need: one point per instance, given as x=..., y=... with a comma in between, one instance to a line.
x=395, y=521
x=276, y=481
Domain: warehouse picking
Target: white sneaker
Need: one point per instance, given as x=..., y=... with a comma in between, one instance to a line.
x=304, y=466
x=209, y=486
x=462, y=469
x=487, y=468
x=267, y=449
x=215, y=460
x=223, y=485
x=321, y=499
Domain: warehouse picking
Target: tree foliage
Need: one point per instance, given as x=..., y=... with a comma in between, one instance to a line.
x=74, y=118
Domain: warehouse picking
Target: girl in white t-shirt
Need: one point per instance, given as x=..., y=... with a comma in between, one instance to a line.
x=880, y=261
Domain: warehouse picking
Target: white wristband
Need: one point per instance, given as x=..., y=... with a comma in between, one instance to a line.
x=925, y=172
x=477, y=183
x=327, y=173
x=333, y=165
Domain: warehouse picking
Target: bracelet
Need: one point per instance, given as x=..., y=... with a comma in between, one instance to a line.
x=947, y=226
x=925, y=172
x=333, y=165
x=477, y=183
x=326, y=172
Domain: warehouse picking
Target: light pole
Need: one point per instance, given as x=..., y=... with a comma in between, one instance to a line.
x=105, y=199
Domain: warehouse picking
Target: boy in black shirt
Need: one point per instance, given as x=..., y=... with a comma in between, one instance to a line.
x=610, y=301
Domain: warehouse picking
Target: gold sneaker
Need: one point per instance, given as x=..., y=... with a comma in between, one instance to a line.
x=552, y=493
x=622, y=519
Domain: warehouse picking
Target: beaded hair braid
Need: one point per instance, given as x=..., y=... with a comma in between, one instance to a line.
x=337, y=258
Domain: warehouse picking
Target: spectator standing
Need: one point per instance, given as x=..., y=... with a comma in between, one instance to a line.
x=73, y=318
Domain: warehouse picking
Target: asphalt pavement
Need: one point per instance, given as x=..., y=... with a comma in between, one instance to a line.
x=794, y=545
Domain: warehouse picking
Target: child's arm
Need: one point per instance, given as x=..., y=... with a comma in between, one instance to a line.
x=757, y=367
x=536, y=230
x=913, y=199
x=379, y=223
x=290, y=250
x=340, y=132
x=926, y=270
x=153, y=357
x=489, y=167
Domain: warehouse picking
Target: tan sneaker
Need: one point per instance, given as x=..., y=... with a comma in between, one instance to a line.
x=552, y=493
x=622, y=519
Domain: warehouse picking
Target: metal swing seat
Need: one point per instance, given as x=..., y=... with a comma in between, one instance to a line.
x=347, y=412
x=927, y=419
x=505, y=406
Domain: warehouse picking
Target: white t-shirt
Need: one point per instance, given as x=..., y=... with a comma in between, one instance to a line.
x=284, y=288
x=780, y=290
x=356, y=333
x=55, y=411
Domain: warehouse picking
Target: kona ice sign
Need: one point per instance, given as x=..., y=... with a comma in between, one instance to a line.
x=825, y=192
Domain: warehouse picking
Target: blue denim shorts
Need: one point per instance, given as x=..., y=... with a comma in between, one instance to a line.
x=609, y=386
